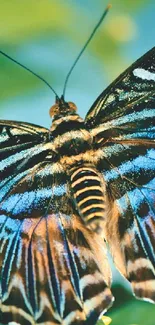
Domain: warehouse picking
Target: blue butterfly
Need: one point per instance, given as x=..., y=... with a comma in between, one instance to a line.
x=67, y=190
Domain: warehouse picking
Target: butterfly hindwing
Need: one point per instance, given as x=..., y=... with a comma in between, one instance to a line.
x=53, y=271
x=122, y=122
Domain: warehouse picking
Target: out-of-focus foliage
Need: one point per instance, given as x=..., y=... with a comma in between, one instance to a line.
x=24, y=20
x=134, y=313
x=32, y=21
x=130, y=311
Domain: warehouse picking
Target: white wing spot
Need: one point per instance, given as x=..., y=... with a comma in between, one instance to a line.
x=144, y=74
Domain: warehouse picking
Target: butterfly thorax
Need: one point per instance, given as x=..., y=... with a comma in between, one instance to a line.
x=68, y=132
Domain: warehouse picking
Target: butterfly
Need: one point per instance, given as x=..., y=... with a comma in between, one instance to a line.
x=66, y=191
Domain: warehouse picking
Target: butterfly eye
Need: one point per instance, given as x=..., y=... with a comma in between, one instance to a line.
x=72, y=106
x=54, y=110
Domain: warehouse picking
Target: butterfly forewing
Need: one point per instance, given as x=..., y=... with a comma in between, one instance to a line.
x=133, y=91
x=122, y=122
x=24, y=152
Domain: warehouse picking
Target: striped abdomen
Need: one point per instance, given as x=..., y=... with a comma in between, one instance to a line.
x=89, y=194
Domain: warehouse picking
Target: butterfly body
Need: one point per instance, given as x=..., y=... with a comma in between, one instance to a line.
x=74, y=145
x=66, y=190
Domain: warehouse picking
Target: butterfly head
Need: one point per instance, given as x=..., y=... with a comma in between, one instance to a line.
x=62, y=108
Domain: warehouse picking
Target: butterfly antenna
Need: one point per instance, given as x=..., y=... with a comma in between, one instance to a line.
x=84, y=47
x=35, y=74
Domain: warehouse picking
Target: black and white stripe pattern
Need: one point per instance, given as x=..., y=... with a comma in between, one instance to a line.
x=89, y=194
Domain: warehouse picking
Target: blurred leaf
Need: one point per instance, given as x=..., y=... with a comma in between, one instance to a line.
x=134, y=312
x=21, y=20
x=127, y=310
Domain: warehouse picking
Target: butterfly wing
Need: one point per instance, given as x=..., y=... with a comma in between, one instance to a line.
x=52, y=272
x=24, y=148
x=122, y=123
x=50, y=264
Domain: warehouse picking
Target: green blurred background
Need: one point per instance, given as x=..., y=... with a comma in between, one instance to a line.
x=46, y=36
